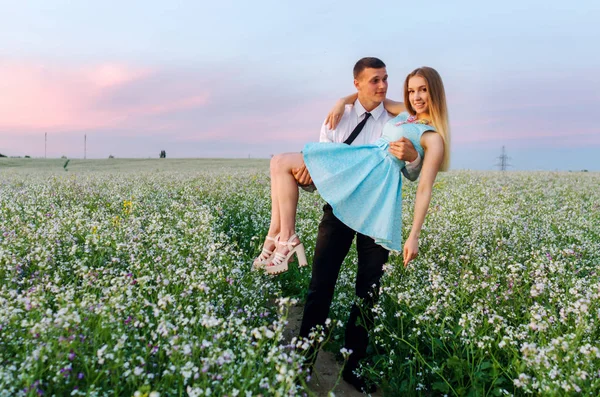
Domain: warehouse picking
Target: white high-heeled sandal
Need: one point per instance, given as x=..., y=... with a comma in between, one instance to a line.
x=266, y=255
x=279, y=264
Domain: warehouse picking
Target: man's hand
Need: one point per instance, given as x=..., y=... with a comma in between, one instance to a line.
x=302, y=176
x=403, y=149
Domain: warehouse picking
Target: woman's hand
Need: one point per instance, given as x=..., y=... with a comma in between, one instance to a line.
x=410, y=250
x=335, y=114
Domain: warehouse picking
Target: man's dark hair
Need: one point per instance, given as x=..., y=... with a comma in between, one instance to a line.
x=367, y=62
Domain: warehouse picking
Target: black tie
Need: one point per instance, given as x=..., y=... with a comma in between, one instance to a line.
x=357, y=129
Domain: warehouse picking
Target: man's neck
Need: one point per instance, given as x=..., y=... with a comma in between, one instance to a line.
x=368, y=105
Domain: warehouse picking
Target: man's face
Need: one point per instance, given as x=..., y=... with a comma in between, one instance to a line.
x=372, y=84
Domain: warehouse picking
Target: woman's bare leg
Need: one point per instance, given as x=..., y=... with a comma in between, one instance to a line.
x=284, y=190
x=275, y=225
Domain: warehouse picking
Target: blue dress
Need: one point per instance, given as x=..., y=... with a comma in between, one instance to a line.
x=362, y=183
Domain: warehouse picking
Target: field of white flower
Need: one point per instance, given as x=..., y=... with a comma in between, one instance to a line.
x=118, y=278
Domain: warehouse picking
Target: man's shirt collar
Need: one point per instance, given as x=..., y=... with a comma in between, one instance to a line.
x=375, y=113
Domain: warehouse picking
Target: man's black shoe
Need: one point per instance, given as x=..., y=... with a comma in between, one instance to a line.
x=359, y=383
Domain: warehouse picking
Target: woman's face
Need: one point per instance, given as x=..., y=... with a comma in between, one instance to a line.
x=418, y=95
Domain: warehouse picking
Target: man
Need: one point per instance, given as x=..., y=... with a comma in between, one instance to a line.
x=363, y=123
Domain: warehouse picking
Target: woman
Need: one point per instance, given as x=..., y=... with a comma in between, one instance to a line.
x=364, y=176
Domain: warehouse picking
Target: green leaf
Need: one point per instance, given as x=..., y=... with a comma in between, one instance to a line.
x=500, y=380
x=441, y=386
x=497, y=391
x=485, y=365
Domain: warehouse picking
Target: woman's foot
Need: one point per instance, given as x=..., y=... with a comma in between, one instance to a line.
x=284, y=253
x=267, y=254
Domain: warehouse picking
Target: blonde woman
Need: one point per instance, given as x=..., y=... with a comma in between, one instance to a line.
x=365, y=177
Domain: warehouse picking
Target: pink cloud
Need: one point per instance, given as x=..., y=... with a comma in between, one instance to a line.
x=179, y=104
x=296, y=124
x=107, y=75
x=55, y=98
x=479, y=122
x=510, y=132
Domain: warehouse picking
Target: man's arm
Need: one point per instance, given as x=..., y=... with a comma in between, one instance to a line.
x=412, y=169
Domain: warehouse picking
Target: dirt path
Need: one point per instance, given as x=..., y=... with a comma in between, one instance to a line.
x=327, y=368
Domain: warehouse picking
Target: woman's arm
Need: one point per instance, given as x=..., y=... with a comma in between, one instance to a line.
x=393, y=107
x=336, y=113
x=434, y=153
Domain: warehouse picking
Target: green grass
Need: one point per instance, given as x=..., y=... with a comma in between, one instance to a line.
x=132, y=165
x=503, y=298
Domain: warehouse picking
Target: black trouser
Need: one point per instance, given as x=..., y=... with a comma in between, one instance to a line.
x=333, y=243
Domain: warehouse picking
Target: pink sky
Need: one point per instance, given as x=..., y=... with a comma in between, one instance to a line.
x=114, y=100
x=51, y=98
x=206, y=79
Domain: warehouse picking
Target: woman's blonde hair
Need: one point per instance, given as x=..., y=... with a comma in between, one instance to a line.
x=437, y=106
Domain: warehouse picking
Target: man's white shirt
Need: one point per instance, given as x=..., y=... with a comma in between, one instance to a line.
x=372, y=130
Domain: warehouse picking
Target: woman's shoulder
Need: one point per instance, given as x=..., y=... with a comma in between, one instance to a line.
x=399, y=118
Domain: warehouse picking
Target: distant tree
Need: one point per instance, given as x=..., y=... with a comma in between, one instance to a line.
x=2, y=155
x=110, y=156
x=163, y=154
x=63, y=157
x=27, y=157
